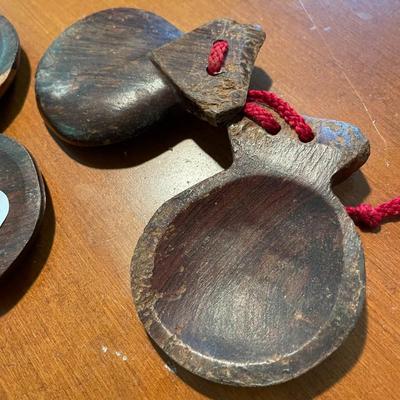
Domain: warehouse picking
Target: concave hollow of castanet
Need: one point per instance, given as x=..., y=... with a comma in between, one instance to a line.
x=250, y=271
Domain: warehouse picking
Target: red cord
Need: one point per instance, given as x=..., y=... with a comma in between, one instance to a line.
x=262, y=116
x=253, y=110
x=285, y=111
x=363, y=214
x=371, y=217
x=217, y=55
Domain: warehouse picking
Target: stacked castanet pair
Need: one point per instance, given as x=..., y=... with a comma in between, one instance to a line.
x=256, y=274
x=22, y=194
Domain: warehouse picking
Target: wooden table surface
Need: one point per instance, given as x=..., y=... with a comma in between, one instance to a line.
x=68, y=324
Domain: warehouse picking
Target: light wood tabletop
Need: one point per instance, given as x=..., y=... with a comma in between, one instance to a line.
x=68, y=326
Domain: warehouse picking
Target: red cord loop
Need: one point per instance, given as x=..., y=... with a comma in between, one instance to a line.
x=217, y=55
x=363, y=214
x=262, y=116
x=284, y=110
x=253, y=110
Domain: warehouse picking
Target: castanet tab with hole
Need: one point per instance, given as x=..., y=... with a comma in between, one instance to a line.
x=255, y=275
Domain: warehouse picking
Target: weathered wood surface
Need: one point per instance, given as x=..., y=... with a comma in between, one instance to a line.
x=218, y=99
x=22, y=183
x=96, y=84
x=256, y=275
x=64, y=305
x=9, y=54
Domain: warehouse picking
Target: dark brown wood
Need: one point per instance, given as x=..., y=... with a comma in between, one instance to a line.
x=51, y=340
x=9, y=54
x=22, y=183
x=254, y=276
x=96, y=84
x=20, y=180
x=219, y=98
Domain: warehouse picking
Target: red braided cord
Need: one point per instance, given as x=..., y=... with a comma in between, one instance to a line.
x=363, y=214
x=285, y=111
x=217, y=56
x=259, y=114
x=262, y=116
x=371, y=217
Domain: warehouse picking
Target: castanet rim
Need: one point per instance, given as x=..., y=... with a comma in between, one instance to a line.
x=346, y=310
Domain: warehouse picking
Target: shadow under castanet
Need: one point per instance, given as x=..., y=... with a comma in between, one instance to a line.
x=154, y=141
x=305, y=387
x=161, y=137
x=353, y=190
x=260, y=80
x=20, y=277
x=14, y=98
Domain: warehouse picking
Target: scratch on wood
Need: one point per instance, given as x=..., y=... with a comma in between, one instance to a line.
x=343, y=71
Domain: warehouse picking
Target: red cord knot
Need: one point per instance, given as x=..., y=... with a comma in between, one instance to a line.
x=371, y=217
x=365, y=215
x=217, y=55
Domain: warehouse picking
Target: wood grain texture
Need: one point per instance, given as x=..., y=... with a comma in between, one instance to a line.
x=256, y=275
x=95, y=85
x=217, y=99
x=68, y=311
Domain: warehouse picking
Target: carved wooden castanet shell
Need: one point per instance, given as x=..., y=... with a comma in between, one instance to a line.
x=95, y=84
x=9, y=54
x=116, y=72
x=21, y=182
x=255, y=275
x=216, y=99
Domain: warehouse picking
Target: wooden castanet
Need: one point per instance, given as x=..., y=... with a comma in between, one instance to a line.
x=22, y=195
x=256, y=275
x=22, y=184
x=116, y=72
x=9, y=54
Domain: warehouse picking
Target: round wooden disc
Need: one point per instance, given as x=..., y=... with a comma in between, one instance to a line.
x=9, y=53
x=95, y=84
x=21, y=182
